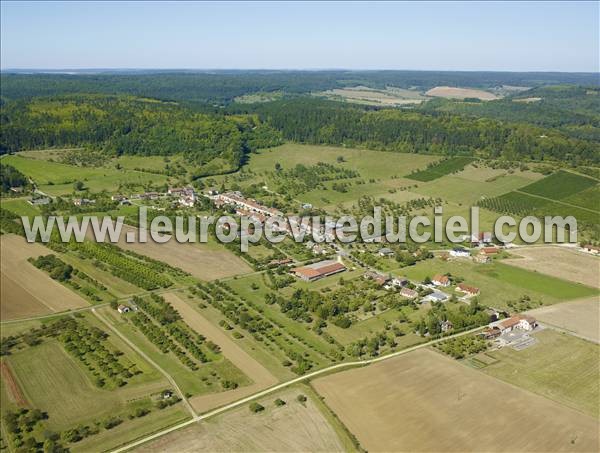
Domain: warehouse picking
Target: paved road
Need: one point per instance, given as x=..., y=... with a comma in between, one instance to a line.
x=339, y=366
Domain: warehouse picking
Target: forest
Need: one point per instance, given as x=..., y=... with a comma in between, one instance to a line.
x=224, y=86
x=122, y=125
x=327, y=122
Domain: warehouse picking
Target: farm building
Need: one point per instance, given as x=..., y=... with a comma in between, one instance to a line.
x=436, y=296
x=459, y=252
x=409, y=293
x=441, y=280
x=523, y=322
x=385, y=252
x=481, y=238
x=319, y=270
x=467, y=289
x=490, y=333
x=123, y=309
x=489, y=251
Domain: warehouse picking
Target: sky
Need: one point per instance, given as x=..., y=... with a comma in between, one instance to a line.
x=495, y=36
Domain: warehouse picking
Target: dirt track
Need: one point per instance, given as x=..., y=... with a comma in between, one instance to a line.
x=260, y=376
x=294, y=427
x=14, y=391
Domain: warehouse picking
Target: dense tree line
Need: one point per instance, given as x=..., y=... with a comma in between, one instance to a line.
x=11, y=177
x=126, y=125
x=326, y=122
x=225, y=86
x=572, y=109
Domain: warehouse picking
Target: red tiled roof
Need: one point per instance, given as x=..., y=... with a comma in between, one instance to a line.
x=441, y=279
x=468, y=289
x=489, y=250
x=510, y=322
x=310, y=272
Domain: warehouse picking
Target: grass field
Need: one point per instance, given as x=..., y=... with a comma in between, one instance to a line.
x=559, y=366
x=580, y=317
x=294, y=426
x=52, y=381
x=19, y=207
x=27, y=290
x=57, y=179
x=442, y=168
x=559, y=185
x=559, y=262
x=500, y=283
x=423, y=401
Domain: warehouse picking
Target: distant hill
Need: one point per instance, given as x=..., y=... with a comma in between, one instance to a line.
x=223, y=87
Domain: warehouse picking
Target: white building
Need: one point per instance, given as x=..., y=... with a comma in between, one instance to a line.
x=459, y=252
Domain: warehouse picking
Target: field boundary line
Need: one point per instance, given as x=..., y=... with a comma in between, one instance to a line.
x=558, y=201
x=149, y=360
x=339, y=366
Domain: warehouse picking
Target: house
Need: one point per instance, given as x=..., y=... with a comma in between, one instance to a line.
x=39, y=201
x=409, y=293
x=436, y=296
x=150, y=196
x=593, y=249
x=446, y=326
x=118, y=198
x=459, y=252
x=176, y=191
x=468, y=290
x=83, y=202
x=166, y=394
x=399, y=282
x=123, y=309
x=527, y=322
x=318, y=270
x=481, y=238
x=318, y=249
x=482, y=258
x=385, y=251
x=238, y=200
x=380, y=279
x=441, y=280
x=488, y=251
x=524, y=322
